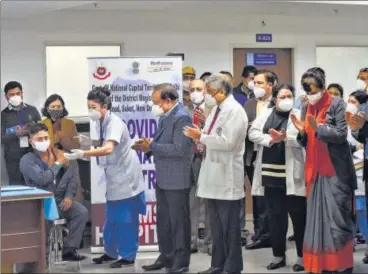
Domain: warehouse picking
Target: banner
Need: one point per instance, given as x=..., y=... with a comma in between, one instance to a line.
x=131, y=82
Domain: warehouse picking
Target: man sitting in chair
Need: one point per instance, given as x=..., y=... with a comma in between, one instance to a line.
x=47, y=169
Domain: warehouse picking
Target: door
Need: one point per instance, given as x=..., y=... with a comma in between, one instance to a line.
x=275, y=59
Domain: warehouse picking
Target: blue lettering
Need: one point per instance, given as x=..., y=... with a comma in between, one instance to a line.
x=143, y=158
x=150, y=178
x=142, y=128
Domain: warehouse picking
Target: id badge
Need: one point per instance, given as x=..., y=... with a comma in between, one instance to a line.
x=23, y=142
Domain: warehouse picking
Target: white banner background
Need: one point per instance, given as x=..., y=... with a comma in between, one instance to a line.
x=130, y=80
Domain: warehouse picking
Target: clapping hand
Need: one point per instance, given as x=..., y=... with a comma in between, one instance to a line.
x=355, y=121
x=277, y=136
x=142, y=144
x=192, y=132
x=298, y=124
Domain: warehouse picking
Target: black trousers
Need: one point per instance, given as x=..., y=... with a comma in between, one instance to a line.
x=14, y=174
x=226, y=245
x=260, y=214
x=173, y=227
x=279, y=205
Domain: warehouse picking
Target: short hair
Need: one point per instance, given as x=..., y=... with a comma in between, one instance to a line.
x=316, y=75
x=162, y=86
x=219, y=81
x=205, y=74
x=34, y=128
x=100, y=95
x=318, y=70
x=337, y=86
x=365, y=70
x=360, y=95
x=248, y=70
x=49, y=100
x=270, y=76
x=226, y=73
x=12, y=85
x=169, y=92
x=276, y=90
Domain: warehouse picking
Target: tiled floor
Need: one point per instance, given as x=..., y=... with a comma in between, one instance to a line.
x=254, y=262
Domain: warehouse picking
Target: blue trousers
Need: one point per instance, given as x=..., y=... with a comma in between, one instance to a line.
x=361, y=215
x=121, y=228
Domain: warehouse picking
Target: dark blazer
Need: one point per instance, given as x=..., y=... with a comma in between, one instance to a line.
x=334, y=135
x=173, y=151
x=362, y=137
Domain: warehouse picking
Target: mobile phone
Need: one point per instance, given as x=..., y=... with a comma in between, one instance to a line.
x=362, y=108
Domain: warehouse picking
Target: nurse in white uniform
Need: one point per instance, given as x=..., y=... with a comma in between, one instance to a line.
x=124, y=181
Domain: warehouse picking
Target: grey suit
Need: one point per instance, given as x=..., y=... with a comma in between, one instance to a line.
x=173, y=153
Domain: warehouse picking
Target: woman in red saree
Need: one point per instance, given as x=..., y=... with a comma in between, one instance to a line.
x=330, y=180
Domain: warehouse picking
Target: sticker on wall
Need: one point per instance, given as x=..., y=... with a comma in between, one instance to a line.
x=263, y=37
x=261, y=59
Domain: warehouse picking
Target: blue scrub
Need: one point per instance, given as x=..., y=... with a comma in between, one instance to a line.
x=121, y=228
x=361, y=214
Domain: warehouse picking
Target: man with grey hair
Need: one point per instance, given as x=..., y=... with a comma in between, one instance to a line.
x=173, y=153
x=221, y=176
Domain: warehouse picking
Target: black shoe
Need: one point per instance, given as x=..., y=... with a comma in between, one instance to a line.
x=365, y=260
x=211, y=270
x=104, y=258
x=201, y=233
x=157, y=265
x=73, y=256
x=120, y=263
x=193, y=250
x=254, y=238
x=291, y=238
x=273, y=266
x=298, y=268
x=258, y=245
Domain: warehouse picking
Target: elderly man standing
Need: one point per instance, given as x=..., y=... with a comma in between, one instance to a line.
x=200, y=109
x=221, y=177
x=173, y=153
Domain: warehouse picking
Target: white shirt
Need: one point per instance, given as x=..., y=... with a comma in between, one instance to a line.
x=262, y=106
x=222, y=172
x=124, y=177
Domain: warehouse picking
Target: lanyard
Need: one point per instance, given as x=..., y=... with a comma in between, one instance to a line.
x=21, y=116
x=103, y=126
x=213, y=120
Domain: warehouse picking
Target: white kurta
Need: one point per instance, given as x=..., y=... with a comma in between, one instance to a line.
x=222, y=171
x=294, y=156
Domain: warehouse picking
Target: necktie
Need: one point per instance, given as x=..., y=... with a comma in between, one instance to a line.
x=211, y=127
x=195, y=117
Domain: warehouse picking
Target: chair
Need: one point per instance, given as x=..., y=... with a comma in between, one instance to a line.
x=56, y=241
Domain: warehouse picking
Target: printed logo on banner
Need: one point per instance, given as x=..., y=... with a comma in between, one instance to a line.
x=135, y=67
x=101, y=73
x=157, y=66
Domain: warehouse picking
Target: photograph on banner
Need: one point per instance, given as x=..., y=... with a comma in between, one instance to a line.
x=131, y=81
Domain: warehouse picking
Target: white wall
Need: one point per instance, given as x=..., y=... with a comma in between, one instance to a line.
x=23, y=43
x=342, y=65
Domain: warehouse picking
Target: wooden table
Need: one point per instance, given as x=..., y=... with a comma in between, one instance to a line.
x=23, y=236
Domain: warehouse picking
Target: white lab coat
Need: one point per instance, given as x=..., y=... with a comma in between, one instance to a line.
x=294, y=156
x=222, y=171
x=359, y=163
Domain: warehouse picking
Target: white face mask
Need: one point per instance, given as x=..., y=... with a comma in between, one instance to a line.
x=251, y=85
x=94, y=115
x=197, y=97
x=210, y=101
x=15, y=101
x=351, y=108
x=42, y=146
x=186, y=84
x=259, y=92
x=157, y=110
x=286, y=104
x=314, y=98
x=360, y=85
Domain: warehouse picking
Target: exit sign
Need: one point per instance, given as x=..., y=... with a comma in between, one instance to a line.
x=263, y=37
